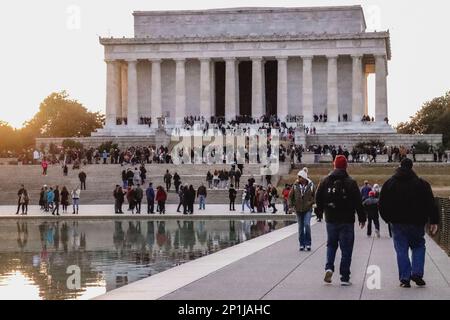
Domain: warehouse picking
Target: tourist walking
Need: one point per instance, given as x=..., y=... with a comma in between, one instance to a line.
x=371, y=207
x=131, y=199
x=138, y=195
x=181, y=195
x=50, y=199
x=246, y=199
x=201, y=195
x=365, y=189
x=161, y=197
x=176, y=182
x=44, y=165
x=273, y=196
x=56, y=201
x=285, y=194
x=232, y=193
x=407, y=203
x=168, y=180
x=119, y=196
x=76, y=199
x=190, y=199
x=82, y=176
x=20, y=203
x=301, y=199
x=209, y=179
x=65, y=170
x=64, y=199
x=338, y=196
x=23, y=200
x=150, y=194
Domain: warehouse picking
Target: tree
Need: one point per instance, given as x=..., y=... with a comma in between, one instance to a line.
x=432, y=118
x=60, y=116
x=8, y=137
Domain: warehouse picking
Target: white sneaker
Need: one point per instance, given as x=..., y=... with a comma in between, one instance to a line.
x=346, y=283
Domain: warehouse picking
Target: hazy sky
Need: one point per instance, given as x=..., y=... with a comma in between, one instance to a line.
x=44, y=49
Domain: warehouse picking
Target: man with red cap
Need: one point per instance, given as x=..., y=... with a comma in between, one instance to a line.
x=371, y=207
x=339, y=198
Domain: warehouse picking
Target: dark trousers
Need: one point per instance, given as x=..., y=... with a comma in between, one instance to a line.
x=19, y=205
x=376, y=221
x=56, y=208
x=340, y=235
x=236, y=183
x=150, y=205
x=83, y=185
x=168, y=185
x=161, y=207
x=190, y=207
x=232, y=204
x=138, y=206
x=179, y=206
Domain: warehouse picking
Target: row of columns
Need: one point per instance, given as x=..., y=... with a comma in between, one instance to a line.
x=115, y=92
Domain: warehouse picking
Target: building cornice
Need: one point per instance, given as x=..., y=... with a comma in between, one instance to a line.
x=247, y=10
x=256, y=38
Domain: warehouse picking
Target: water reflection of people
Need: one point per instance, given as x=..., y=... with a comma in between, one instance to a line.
x=187, y=234
x=22, y=235
x=150, y=234
x=201, y=233
x=232, y=233
x=65, y=236
x=161, y=237
x=119, y=236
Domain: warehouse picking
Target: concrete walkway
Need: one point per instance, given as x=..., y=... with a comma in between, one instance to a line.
x=94, y=212
x=278, y=271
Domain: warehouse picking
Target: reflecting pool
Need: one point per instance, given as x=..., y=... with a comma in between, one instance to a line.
x=42, y=259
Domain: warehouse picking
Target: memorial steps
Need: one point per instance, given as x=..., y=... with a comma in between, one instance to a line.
x=102, y=179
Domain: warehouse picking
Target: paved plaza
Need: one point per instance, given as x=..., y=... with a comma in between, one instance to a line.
x=271, y=268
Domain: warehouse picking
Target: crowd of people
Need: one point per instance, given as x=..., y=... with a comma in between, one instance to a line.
x=405, y=202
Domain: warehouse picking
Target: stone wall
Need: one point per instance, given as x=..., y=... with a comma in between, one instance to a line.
x=248, y=21
x=393, y=139
x=123, y=142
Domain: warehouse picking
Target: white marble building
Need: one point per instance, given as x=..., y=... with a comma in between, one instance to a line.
x=246, y=61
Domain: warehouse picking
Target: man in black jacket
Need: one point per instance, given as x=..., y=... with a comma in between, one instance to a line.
x=407, y=203
x=339, y=197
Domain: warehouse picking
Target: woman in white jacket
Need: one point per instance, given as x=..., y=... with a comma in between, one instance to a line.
x=76, y=199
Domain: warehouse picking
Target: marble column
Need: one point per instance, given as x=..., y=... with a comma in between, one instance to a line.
x=156, y=102
x=282, y=98
x=357, y=89
x=381, y=105
x=180, y=90
x=113, y=95
x=132, y=93
x=257, y=88
x=307, y=89
x=205, y=88
x=124, y=90
x=230, y=89
x=332, y=101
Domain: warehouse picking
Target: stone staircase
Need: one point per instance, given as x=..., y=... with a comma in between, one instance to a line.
x=101, y=180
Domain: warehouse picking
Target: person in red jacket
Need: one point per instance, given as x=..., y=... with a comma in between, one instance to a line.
x=44, y=165
x=161, y=197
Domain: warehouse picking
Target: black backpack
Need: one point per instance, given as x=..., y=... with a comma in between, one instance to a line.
x=338, y=195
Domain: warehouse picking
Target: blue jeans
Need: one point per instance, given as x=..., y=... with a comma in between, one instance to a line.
x=343, y=236
x=304, y=228
x=246, y=203
x=409, y=237
x=201, y=199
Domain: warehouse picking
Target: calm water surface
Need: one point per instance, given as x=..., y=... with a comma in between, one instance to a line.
x=35, y=257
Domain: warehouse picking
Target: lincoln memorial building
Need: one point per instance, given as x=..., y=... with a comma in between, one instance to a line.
x=246, y=61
